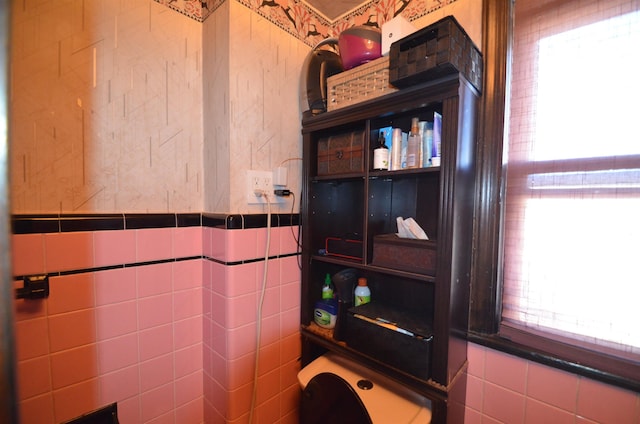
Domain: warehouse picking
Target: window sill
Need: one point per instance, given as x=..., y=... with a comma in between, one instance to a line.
x=495, y=341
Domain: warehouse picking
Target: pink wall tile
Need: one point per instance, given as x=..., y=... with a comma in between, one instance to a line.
x=72, y=329
x=290, y=347
x=73, y=401
x=268, y=411
x=154, y=279
x=119, y=385
x=187, y=241
x=114, y=247
x=218, y=239
x=187, y=332
x=207, y=331
x=115, y=285
x=188, y=274
x=67, y=251
x=220, y=375
x=191, y=412
x=273, y=273
x=207, y=360
x=290, y=398
x=290, y=295
x=166, y=418
x=607, y=404
x=217, y=278
x=31, y=338
x=73, y=366
x=155, y=342
x=538, y=412
x=156, y=402
x=505, y=370
x=25, y=309
x=116, y=319
x=241, y=310
x=70, y=293
x=289, y=270
x=552, y=386
x=288, y=240
x=270, y=331
x=269, y=358
x=27, y=254
x=188, y=388
x=117, y=353
x=583, y=420
x=220, y=340
x=240, y=341
x=154, y=311
x=37, y=410
x=476, y=356
x=156, y=372
x=154, y=244
x=502, y=404
x=474, y=392
x=289, y=374
x=208, y=269
x=187, y=303
x=239, y=372
x=129, y=410
x=237, y=280
x=35, y=377
x=261, y=242
x=271, y=301
x=471, y=416
x=290, y=322
x=219, y=309
x=188, y=360
x=242, y=245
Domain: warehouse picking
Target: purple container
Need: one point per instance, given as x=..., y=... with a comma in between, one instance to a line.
x=359, y=44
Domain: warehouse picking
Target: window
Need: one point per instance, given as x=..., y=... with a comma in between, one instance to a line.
x=568, y=284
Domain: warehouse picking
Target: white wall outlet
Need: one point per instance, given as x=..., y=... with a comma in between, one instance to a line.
x=260, y=187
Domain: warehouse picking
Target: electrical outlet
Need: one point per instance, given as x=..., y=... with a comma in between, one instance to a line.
x=259, y=182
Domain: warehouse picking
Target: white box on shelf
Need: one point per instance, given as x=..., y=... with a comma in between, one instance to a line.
x=393, y=30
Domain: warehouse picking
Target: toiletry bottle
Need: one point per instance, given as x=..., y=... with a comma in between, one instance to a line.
x=381, y=155
x=362, y=292
x=327, y=290
x=413, y=145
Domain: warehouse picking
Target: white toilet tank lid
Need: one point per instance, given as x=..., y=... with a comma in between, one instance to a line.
x=388, y=402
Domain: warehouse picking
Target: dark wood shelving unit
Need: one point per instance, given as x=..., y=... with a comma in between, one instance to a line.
x=362, y=205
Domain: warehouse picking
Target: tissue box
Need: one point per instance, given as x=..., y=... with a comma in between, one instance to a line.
x=393, y=30
x=391, y=251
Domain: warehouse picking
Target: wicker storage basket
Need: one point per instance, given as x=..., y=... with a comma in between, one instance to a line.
x=361, y=83
x=439, y=49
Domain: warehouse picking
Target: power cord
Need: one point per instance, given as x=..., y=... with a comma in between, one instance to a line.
x=254, y=392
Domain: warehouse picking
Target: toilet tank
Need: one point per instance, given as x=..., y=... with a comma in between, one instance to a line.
x=386, y=401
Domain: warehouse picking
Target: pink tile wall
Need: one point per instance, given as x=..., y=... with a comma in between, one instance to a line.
x=231, y=297
x=175, y=342
x=505, y=389
x=131, y=335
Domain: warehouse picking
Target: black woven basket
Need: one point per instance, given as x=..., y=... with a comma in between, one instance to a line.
x=439, y=49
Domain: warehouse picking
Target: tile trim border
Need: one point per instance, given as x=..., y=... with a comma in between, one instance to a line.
x=63, y=223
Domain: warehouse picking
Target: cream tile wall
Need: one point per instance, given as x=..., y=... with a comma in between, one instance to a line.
x=106, y=107
x=264, y=115
x=131, y=106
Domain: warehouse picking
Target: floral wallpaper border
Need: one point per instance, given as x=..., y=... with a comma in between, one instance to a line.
x=301, y=21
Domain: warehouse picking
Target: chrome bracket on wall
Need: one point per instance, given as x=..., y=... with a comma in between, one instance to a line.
x=35, y=287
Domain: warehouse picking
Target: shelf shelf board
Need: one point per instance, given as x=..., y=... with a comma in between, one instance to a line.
x=359, y=265
x=324, y=338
